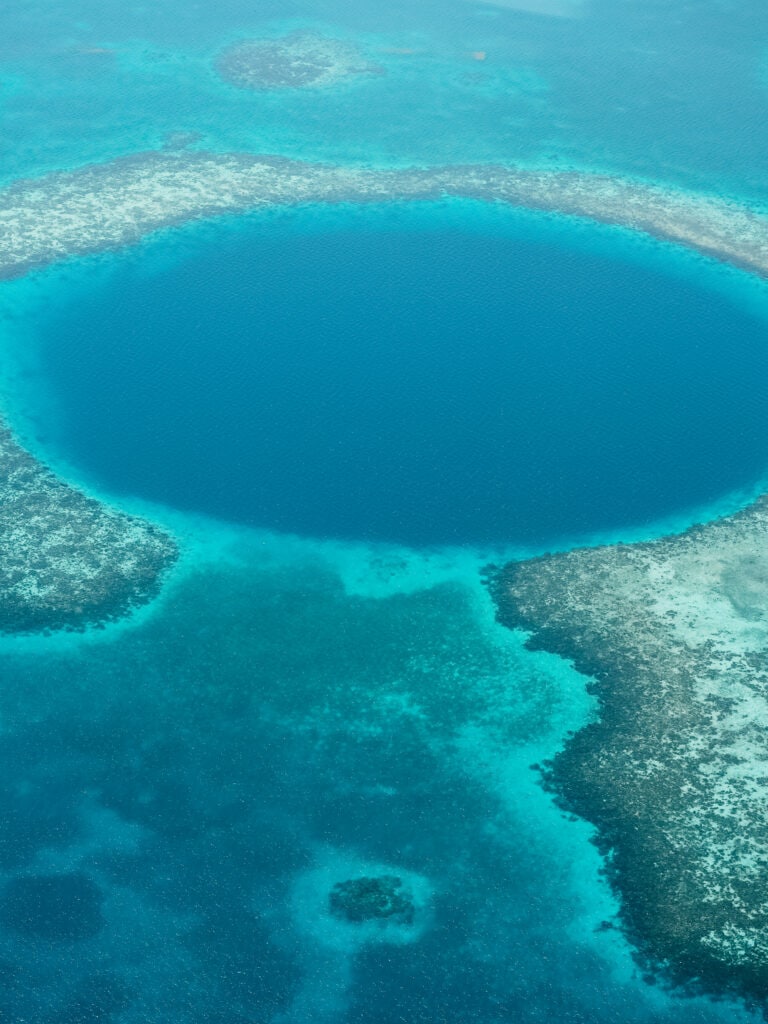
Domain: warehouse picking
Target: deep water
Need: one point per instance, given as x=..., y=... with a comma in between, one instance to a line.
x=402, y=377
x=180, y=794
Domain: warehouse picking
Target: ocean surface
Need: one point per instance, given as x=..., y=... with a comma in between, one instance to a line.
x=344, y=414
x=407, y=378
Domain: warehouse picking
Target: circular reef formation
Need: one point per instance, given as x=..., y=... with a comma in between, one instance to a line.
x=300, y=60
x=372, y=899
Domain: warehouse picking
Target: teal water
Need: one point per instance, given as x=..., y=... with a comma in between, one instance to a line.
x=633, y=87
x=402, y=378
x=180, y=793
x=216, y=770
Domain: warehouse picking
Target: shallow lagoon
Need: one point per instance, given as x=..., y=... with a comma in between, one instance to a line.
x=280, y=725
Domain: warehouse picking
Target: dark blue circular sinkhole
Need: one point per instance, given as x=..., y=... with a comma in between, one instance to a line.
x=425, y=386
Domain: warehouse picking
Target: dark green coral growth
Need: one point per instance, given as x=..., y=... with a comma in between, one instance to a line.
x=369, y=899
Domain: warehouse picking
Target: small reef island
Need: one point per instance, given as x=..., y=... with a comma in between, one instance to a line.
x=673, y=632
x=380, y=898
x=300, y=60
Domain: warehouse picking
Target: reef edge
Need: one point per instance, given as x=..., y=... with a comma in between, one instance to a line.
x=102, y=207
x=673, y=636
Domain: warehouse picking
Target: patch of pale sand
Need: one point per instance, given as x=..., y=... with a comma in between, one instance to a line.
x=715, y=593
x=382, y=570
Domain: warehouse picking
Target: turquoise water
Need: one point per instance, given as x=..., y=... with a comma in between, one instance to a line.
x=181, y=792
x=636, y=87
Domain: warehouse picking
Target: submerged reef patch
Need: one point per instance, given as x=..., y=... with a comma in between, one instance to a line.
x=344, y=904
x=301, y=60
x=674, y=634
x=379, y=898
x=66, y=559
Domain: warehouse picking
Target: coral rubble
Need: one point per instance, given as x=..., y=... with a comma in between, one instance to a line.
x=104, y=206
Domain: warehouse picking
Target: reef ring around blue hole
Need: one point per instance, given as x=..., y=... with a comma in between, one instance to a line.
x=397, y=382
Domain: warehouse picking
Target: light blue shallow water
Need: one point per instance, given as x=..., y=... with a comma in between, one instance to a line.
x=179, y=796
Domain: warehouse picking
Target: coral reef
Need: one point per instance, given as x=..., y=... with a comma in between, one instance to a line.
x=297, y=61
x=71, y=561
x=674, y=634
x=370, y=899
x=109, y=205
x=67, y=560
